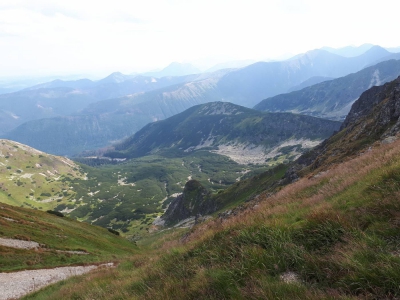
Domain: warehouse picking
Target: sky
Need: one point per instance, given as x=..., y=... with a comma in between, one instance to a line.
x=39, y=37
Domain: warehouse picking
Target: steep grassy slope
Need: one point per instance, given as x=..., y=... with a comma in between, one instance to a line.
x=332, y=99
x=29, y=177
x=58, y=238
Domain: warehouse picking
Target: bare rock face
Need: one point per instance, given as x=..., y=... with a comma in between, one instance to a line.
x=194, y=201
x=379, y=107
x=375, y=116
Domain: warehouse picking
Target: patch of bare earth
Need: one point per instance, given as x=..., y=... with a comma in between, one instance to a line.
x=18, y=284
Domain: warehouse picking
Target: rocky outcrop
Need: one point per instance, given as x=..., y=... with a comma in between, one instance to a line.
x=375, y=116
x=368, y=103
x=193, y=202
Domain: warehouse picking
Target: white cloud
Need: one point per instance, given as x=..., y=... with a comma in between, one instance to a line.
x=43, y=37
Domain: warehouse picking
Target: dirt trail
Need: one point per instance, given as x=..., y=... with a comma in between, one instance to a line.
x=18, y=284
x=13, y=243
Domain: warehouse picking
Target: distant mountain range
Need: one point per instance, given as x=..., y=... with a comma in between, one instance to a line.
x=349, y=51
x=150, y=98
x=332, y=99
x=63, y=98
x=247, y=86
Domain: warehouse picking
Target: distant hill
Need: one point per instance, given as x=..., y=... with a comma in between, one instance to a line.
x=332, y=99
x=104, y=122
x=349, y=51
x=20, y=107
x=63, y=98
x=175, y=69
x=240, y=133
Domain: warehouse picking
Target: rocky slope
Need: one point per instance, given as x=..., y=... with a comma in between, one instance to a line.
x=374, y=117
x=240, y=133
x=332, y=99
x=195, y=200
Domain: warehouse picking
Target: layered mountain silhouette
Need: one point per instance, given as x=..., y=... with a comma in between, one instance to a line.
x=332, y=99
x=96, y=125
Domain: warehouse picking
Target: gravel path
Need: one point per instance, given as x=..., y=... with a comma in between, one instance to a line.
x=17, y=284
x=18, y=244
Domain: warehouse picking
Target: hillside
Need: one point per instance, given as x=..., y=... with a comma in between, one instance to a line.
x=332, y=234
x=52, y=241
x=35, y=179
x=244, y=135
x=332, y=99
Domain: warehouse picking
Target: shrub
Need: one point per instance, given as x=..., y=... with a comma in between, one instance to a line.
x=113, y=231
x=57, y=213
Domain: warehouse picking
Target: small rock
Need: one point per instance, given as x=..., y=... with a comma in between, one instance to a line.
x=290, y=277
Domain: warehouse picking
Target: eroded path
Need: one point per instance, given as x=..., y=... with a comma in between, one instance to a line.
x=17, y=284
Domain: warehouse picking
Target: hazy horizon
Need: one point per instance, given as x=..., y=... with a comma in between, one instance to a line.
x=57, y=38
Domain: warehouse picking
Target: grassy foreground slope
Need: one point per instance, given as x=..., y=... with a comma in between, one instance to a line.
x=58, y=237
x=333, y=235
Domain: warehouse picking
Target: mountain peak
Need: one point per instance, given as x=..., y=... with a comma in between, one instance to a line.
x=220, y=108
x=116, y=77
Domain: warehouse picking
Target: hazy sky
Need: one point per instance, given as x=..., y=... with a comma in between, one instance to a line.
x=39, y=37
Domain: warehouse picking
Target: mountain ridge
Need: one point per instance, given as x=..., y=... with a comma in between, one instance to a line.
x=332, y=99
